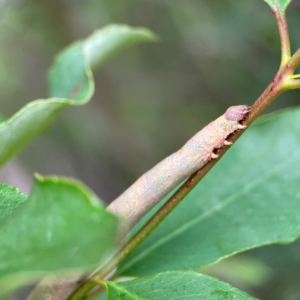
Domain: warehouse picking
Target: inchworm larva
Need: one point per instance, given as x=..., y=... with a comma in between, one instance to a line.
x=155, y=184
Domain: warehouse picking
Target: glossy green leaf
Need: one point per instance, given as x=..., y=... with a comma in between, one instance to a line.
x=10, y=200
x=280, y=5
x=71, y=83
x=174, y=285
x=61, y=227
x=249, y=199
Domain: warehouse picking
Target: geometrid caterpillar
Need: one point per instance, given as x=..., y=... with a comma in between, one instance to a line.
x=155, y=184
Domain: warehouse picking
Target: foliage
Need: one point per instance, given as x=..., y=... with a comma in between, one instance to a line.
x=62, y=227
x=174, y=285
x=69, y=77
x=281, y=4
x=42, y=235
x=228, y=216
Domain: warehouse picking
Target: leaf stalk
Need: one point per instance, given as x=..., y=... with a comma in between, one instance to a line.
x=284, y=36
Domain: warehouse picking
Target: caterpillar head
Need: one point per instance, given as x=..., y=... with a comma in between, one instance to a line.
x=237, y=113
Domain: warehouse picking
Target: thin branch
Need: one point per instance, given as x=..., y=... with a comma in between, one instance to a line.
x=105, y=273
x=273, y=91
x=95, y=293
x=279, y=84
x=295, y=60
x=284, y=36
x=83, y=290
x=275, y=88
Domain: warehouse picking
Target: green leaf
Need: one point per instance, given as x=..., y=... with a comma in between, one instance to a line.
x=249, y=199
x=61, y=227
x=174, y=285
x=2, y=118
x=280, y=5
x=10, y=200
x=71, y=83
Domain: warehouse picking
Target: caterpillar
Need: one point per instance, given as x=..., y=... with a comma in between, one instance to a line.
x=155, y=184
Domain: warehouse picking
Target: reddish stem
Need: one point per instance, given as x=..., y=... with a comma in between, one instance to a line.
x=284, y=35
x=281, y=82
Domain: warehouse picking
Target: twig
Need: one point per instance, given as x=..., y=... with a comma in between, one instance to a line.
x=275, y=88
x=293, y=84
x=284, y=35
x=283, y=80
x=94, y=294
x=295, y=60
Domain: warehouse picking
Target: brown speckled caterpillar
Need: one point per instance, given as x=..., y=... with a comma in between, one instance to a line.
x=155, y=184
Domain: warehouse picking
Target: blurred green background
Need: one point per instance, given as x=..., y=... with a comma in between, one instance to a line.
x=150, y=99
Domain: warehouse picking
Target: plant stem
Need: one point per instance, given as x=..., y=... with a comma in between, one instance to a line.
x=293, y=84
x=83, y=290
x=91, y=282
x=272, y=91
x=282, y=81
x=275, y=88
x=94, y=294
x=295, y=60
x=284, y=36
